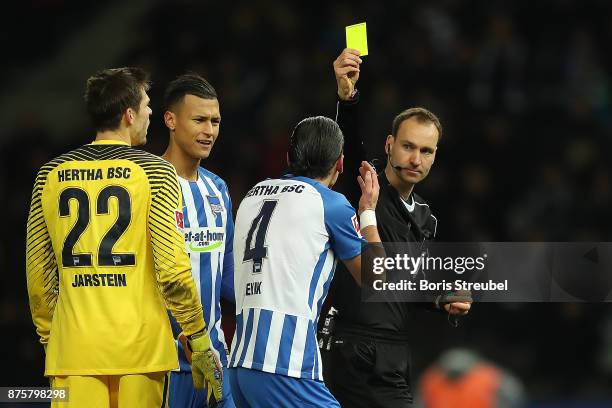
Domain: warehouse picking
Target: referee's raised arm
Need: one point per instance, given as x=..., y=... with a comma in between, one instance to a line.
x=346, y=71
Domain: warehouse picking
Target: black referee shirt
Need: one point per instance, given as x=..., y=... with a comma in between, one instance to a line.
x=396, y=223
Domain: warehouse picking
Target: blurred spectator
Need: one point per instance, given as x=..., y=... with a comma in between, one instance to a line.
x=462, y=379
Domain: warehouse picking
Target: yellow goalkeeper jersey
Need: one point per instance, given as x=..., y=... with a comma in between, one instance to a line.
x=104, y=258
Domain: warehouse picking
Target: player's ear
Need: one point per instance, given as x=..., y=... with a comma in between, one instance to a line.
x=340, y=164
x=170, y=120
x=130, y=116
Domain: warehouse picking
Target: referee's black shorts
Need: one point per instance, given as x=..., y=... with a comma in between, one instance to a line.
x=366, y=369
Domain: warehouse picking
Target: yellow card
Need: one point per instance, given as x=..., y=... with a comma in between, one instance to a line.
x=357, y=38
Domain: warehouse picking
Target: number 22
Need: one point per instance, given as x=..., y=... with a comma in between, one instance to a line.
x=105, y=255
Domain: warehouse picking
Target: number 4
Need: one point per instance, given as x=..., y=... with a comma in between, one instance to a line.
x=260, y=223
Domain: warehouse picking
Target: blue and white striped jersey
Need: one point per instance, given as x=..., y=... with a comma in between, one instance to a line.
x=208, y=226
x=289, y=234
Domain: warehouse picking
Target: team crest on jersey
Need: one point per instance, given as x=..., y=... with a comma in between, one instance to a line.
x=215, y=204
x=180, y=221
x=356, y=224
x=206, y=239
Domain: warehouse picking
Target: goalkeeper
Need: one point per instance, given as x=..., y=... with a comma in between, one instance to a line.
x=104, y=257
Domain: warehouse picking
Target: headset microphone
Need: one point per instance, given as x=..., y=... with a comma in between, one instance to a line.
x=399, y=168
x=396, y=168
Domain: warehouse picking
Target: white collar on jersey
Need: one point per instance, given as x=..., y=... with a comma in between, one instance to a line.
x=409, y=206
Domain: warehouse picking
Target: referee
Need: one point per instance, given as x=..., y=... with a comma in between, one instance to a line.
x=368, y=363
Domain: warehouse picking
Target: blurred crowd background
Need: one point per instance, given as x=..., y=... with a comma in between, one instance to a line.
x=522, y=88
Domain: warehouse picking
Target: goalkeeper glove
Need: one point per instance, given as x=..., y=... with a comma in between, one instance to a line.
x=205, y=366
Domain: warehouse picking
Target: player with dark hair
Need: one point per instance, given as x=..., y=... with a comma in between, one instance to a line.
x=104, y=258
x=313, y=154
x=290, y=233
x=193, y=119
x=367, y=364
